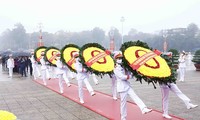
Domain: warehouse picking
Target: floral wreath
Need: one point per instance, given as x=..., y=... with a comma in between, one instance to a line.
x=62, y=55
x=35, y=52
x=149, y=79
x=45, y=56
x=90, y=69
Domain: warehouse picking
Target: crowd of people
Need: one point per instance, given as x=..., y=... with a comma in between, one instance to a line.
x=21, y=65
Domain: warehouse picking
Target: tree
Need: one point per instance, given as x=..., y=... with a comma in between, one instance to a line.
x=98, y=35
x=19, y=37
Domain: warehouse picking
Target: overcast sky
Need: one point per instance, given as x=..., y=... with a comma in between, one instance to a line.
x=78, y=15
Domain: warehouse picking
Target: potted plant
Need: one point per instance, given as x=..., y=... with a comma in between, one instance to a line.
x=175, y=57
x=196, y=60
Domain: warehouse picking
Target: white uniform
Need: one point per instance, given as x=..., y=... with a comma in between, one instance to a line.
x=10, y=66
x=35, y=67
x=182, y=67
x=61, y=72
x=114, y=87
x=124, y=89
x=165, y=96
x=82, y=76
x=44, y=70
x=95, y=79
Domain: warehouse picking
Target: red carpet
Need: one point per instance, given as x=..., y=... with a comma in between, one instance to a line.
x=103, y=104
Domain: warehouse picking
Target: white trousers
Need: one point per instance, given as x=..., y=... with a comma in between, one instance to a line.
x=10, y=70
x=94, y=79
x=35, y=69
x=61, y=77
x=134, y=97
x=114, y=87
x=165, y=96
x=45, y=75
x=182, y=73
x=80, y=87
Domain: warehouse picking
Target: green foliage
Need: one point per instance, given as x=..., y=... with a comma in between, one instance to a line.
x=196, y=57
x=175, y=56
x=174, y=51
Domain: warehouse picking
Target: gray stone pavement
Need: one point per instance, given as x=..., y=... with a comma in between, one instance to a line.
x=31, y=101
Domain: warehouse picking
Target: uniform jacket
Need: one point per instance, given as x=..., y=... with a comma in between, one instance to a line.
x=122, y=83
x=61, y=69
x=43, y=63
x=81, y=72
x=182, y=62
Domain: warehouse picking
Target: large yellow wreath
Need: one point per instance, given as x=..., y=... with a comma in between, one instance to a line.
x=105, y=64
x=153, y=67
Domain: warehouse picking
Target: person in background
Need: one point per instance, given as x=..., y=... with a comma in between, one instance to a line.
x=10, y=65
x=82, y=77
x=23, y=66
x=30, y=66
x=61, y=72
x=182, y=65
x=124, y=87
x=35, y=67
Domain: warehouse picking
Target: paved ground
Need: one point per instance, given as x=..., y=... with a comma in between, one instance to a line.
x=31, y=101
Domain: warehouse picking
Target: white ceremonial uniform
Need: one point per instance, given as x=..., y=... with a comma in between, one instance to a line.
x=35, y=67
x=10, y=66
x=61, y=72
x=95, y=79
x=165, y=97
x=114, y=87
x=82, y=76
x=182, y=67
x=124, y=89
x=44, y=70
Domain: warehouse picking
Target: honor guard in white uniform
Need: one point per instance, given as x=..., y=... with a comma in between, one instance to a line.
x=165, y=98
x=61, y=72
x=182, y=66
x=10, y=66
x=44, y=69
x=124, y=88
x=82, y=77
x=34, y=66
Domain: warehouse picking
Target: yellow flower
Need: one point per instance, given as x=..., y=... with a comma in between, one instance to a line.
x=105, y=64
x=5, y=115
x=67, y=55
x=154, y=67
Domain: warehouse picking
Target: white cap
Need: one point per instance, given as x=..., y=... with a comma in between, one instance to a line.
x=75, y=54
x=117, y=54
x=42, y=53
